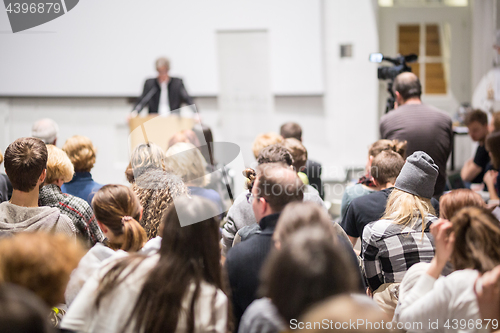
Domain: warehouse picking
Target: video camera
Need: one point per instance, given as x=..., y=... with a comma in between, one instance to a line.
x=390, y=72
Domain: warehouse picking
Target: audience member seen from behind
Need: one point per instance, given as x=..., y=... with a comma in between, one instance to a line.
x=40, y=262
x=21, y=311
x=402, y=237
x=365, y=184
x=145, y=157
x=491, y=178
x=451, y=202
x=157, y=190
x=311, y=260
x=186, y=161
x=182, y=288
x=46, y=130
x=494, y=124
x=474, y=168
x=5, y=185
x=25, y=164
x=385, y=168
x=424, y=127
x=470, y=241
x=117, y=210
x=265, y=140
x=299, y=158
x=312, y=168
x=60, y=170
x=246, y=258
x=240, y=221
x=262, y=315
x=240, y=214
x=82, y=154
x=339, y=312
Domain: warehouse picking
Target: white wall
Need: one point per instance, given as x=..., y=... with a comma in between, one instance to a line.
x=483, y=38
x=107, y=48
x=351, y=89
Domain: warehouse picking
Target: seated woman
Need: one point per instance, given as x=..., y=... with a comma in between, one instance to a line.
x=117, y=211
x=156, y=190
x=365, y=184
x=402, y=237
x=42, y=263
x=60, y=170
x=82, y=154
x=309, y=259
x=471, y=241
x=492, y=178
x=145, y=156
x=186, y=161
x=262, y=315
x=178, y=290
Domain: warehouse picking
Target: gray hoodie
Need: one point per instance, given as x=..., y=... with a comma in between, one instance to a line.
x=14, y=219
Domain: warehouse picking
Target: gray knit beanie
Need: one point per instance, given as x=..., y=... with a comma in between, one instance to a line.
x=418, y=175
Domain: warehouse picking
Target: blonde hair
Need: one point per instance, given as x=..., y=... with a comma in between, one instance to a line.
x=144, y=157
x=404, y=208
x=264, y=140
x=162, y=62
x=1, y=158
x=186, y=161
x=81, y=152
x=40, y=262
x=59, y=165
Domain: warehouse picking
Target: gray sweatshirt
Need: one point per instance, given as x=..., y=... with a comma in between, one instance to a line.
x=14, y=219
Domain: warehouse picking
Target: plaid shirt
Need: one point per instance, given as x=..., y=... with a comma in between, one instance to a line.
x=389, y=250
x=78, y=210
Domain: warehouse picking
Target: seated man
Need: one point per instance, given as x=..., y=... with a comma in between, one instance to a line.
x=25, y=164
x=312, y=168
x=363, y=210
x=59, y=170
x=474, y=169
x=275, y=187
x=46, y=130
x=240, y=214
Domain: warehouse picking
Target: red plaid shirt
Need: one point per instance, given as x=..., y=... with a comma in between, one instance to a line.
x=78, y=210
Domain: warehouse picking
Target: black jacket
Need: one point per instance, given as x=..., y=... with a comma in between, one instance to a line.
x=244, y=262
x=313, y=172
x=177, y=94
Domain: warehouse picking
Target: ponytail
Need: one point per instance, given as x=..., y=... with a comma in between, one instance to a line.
x=118, y=208
x=134, y=235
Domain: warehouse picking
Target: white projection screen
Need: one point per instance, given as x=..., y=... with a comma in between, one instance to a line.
x=108, y=47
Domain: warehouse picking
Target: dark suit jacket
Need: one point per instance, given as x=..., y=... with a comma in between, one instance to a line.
x=244, y=262
x=177, y=94
x=313, y=172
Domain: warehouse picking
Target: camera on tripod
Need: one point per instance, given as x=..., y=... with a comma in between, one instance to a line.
x=390, y=72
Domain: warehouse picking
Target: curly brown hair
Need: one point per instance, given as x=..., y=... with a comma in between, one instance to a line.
x=157, y=190
x=40, y=262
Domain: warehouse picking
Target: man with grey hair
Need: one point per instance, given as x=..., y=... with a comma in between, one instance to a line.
x=163, y=94
x=46, y=130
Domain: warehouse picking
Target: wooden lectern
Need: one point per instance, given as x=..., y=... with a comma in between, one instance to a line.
x=156, y=129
